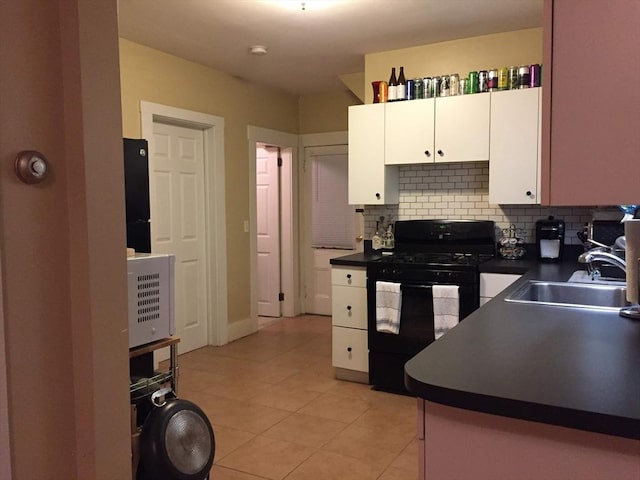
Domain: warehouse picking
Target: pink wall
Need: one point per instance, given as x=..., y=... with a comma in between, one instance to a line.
x=64, y=267
x=463, y=444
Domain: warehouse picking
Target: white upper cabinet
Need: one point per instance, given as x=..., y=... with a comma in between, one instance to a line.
x=462, y=128
x=445, y=129
x=409, y=132
x=371, y=182
x=514, y=166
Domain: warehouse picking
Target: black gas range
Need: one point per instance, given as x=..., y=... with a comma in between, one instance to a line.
x=427, y=253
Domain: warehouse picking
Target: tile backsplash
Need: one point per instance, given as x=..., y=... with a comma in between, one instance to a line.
x=461, y=191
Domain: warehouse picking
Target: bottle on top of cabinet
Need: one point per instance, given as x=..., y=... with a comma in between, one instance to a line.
x=401, y=93
x=392, y=89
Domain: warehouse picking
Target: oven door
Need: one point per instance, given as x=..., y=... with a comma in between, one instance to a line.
x=416, y=317
x=389, y=352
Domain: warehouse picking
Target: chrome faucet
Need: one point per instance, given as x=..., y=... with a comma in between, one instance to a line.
x=602, y=256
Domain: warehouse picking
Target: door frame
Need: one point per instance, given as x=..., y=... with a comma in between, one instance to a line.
x=311, y=140
x=215, y=230
x=5, y=442
x=289, y=264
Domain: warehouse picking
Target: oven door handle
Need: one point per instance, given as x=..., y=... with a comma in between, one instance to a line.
x=403, y=286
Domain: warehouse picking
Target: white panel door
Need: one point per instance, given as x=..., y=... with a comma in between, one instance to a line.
x=176, y=180
x=317, y=269
x=268, y=231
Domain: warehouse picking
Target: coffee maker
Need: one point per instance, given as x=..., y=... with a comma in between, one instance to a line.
x=550, y=239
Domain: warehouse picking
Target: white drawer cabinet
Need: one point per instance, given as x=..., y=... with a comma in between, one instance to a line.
x=349, y=319
x=491, y=284
x=350, y=349
x=348, y=307
x=349, y=276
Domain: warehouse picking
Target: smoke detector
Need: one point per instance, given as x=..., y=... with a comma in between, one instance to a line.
x=258, y=50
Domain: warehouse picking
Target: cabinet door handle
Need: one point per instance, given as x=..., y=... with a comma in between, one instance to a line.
x=349, y=349
x=441, y=153
x=348, y=275
x=378, y=196
x=528, y=193
x=427, y=153
x=349, y=307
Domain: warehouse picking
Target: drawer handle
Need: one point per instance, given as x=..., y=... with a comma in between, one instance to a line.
x=349, y=349
x=349, y=307
x=378, y=196
x=348, y=275
x=441, y=153
x=427, y=153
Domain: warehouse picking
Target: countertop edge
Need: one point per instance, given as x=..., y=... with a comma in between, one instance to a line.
x=521, y=410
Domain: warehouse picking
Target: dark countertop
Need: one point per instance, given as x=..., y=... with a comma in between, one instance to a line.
x=577, y=368
x=356, y=260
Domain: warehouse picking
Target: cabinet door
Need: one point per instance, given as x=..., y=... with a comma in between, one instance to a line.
x=408, y=129
x=350, y=349
x=370, y=181
x=514, y=163
x=462, y=128
x=592, y=154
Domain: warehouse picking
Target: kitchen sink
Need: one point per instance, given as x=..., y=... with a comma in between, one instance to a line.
x=564, y=294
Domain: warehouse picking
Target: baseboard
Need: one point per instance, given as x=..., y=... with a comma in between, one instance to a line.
x=351, y=375
x=242, y=328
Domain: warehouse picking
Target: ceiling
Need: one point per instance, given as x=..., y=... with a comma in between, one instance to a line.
x=309, y=48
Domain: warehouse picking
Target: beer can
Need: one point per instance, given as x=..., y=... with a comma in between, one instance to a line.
x=444, y=86
x=454, y=84
x=383, y=92
x=534, y=75
x=473, y=82
x=503, y=78
x=435, y=86
x=427, y=87
x=492, y=80
x=464, y=86
x=513, y=78
x=418, y=88
x=409, y=90
x=483, y=81
x=523, y=76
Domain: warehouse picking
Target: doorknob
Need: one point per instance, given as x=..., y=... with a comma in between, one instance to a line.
x=359, y=238
x=31, y=166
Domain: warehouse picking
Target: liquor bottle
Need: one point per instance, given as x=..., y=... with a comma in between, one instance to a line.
x=401, y=93
x=388, y=239
x=376, y=240
x=392, y=94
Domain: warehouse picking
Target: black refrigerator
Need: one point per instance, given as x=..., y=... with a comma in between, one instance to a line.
x=136, y=187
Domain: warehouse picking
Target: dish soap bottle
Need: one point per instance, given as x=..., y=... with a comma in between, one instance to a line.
x=376, y=240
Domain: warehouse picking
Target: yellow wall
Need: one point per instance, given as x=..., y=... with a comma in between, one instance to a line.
x=521, y=47
x=326, y=112
x=154, y=76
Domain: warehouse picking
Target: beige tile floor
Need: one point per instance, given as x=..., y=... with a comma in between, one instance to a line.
x=279, y=413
